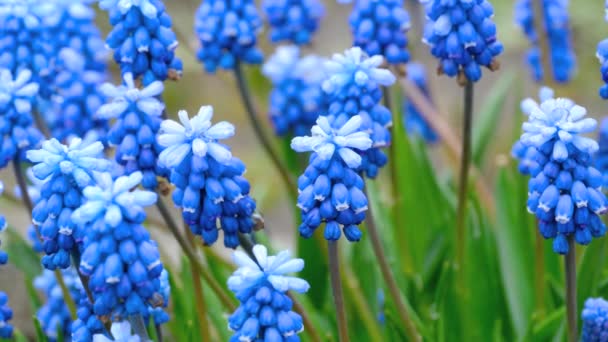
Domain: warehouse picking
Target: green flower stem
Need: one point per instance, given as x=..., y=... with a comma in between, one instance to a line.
x=191, y=255
x=571, y=307
x=159, y=332
x=69, y=301
x=199, y=296
x=139, y=328
x=388, y=276
x=259, y=131
x=539, y=273
x=465, y=163
x=336, y=286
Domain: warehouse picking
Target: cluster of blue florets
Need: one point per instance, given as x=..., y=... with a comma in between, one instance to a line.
x=331, y=190
x=379, y=28
x=144, y=43
x=138, y=114
x=227, y=31
x=296, y=99
x=559, y=40
x=565, y=191
x=122, y=262
x=86, y=324
x=602, y=55
x=353, y=87
x=594, y=316
x=265, y=313
x=6, y=330
x=66, y=170
x=601, y=157
x=414, y=122
x=210, y=188
x=462, y=36
x=17, y=129
x=54, y=315
x=293, y=20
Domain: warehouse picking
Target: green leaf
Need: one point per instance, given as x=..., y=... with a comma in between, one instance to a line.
x=34, y=299
x=40, y=336
x=492, y=108
x=314, y=251
x=546, y=328
x=515, y=251
x=22, y=254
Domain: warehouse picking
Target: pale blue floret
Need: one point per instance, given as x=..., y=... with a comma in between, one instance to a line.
x=594, y=316
x=121, y=331
x=265, y=313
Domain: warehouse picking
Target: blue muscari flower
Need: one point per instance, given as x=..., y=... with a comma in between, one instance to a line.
x=594, y=316
x=601, y=157
x=331, y=190
x=144, y=43
x=121, y=331
x=293, y=20
x=54, y=315
x=265, y=313
x=227, y=31
x=86, y=324
x=6, y=330
x=17, y=129
x=462, y=35
x=602, y=55
x=558, y=36
x=564, y=191
x=210, y=188
x=379, y=28
x=67, y=171
x=137, y=113
x=119, y=257
x=414, y=122
x=296, y=99
x=3, y=223
x=158, y=314
x=353, y=87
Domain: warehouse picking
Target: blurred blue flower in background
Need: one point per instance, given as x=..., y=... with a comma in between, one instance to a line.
x=227, y=31
x=556, y=27
x=462, y=35
x=414, y=122
x=331, y=190
x=380, y=27
x=602, y=56
x=293, y=20
x=142, y=38
x=121, y=260
x=260, y=285
x=594, y=316
x=296, y=99
x=6, y=330
x=138, y=114
x=67, y=170
x=210, y=188
x=121, y=331
x=17, y=128
x=565, y=190
x=54, y=315
x=353, y=87
x=601, y=157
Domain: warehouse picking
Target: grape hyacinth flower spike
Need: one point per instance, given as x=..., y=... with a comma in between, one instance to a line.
x=227, y=31
x=119, y=257
x=6, y=313
x=17, y=129
x=462, y=35
x=380, y=27
x=414, y=122
x=142, y=39
x=121, y=332
x=66, y=170
x=594, y=316
x=294, y=21
x=331, y=190
x=556, y=27
x=265, y=313
x=353, y=87
x=210, y=188
x=602, y=56
x=601, y=157
x=565, y=191
x=138, y=116
x=296, y=99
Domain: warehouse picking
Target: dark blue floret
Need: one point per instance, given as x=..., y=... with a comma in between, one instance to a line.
x=227, y=31
x=293, y=20
x=601, y=157
x=142, y=39
x=558, y=35
x=462, y=36
x=414, y=122
x=379, y=28
x=86, y=324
